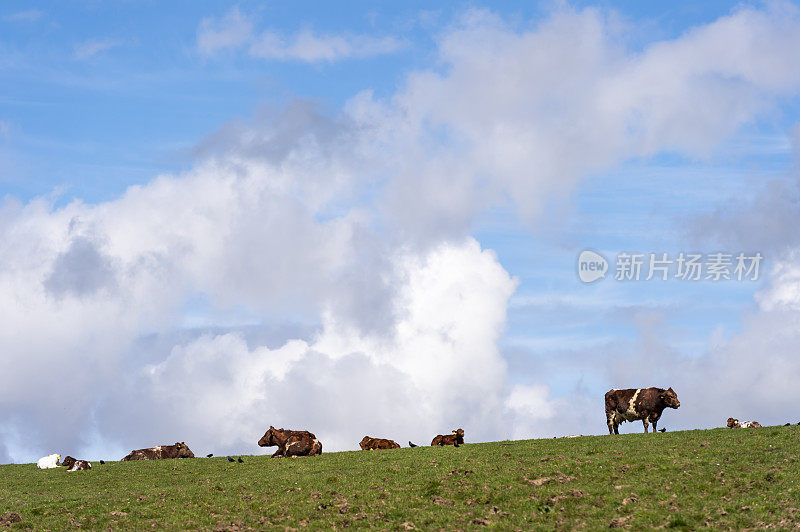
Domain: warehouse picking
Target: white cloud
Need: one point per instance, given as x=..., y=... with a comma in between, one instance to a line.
x=310, y=47
x=29, y=15
x=525, y=114
x=232, y=31
x=438, y=365
x=235, y=31
x=92, y=47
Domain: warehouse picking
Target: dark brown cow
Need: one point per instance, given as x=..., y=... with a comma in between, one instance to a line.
x=646, y=404
x=68, y=462
x=160, y=452
x=456, y=438
x=291, y=442
x=371, y=444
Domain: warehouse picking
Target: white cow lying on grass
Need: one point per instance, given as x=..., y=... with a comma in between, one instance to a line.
x=48, y=462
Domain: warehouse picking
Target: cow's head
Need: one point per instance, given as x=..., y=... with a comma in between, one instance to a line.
x=270, y=438
x=732, y=422
x=459, y=435
x=670, y=398
x=364, y=443
x=183, y=450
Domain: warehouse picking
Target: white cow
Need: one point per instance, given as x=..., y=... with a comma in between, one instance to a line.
x=48, y=462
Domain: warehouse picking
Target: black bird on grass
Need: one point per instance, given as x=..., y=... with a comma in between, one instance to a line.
x=209, y=455
x=411, y=444
x=662, y=430
x=788, y=425
x=231, y=459
x=240, y=460
x=102, y=461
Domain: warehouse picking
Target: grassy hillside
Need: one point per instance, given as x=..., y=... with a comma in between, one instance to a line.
x=723, y=478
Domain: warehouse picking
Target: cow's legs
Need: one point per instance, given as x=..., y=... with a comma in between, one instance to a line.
x=610, y=422
x=278, y=453
x=644, y=422
x=655, y=422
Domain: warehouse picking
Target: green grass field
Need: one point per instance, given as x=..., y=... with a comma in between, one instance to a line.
x=721, y=478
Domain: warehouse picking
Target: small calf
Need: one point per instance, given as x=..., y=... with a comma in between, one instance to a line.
x=736, y=424
x=79, y=465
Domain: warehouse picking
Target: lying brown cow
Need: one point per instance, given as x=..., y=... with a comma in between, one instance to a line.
x=178, y=450
x=370, y=444
x=631, y=404
x=291, y=442
x=456, y=438
x=736, y=424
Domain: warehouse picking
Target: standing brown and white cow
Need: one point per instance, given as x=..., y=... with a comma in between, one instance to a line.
x=646, y=404
x=291, y=442
x=178, y=450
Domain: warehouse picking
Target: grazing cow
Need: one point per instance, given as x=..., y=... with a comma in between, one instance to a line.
x=79, y=465
x=291, y=442
x=178, y=450
x=736, y=424
x=371, y=444
x=48, y=462
x=646, y=404
x=457, y=438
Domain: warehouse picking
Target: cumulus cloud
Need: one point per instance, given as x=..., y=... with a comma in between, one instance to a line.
x=439, y=363
x=523, y=114
x=235, y=31
x=356, y=226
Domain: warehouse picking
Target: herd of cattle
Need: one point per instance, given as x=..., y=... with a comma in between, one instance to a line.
x=645, y=404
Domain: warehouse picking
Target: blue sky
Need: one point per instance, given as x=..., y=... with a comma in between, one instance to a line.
x=321, y=164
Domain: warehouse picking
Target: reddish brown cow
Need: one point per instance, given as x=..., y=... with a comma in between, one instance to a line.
x=456, y=438
x=631, y=404
x=178, y=450
x=291, y=442
x=370, y=444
